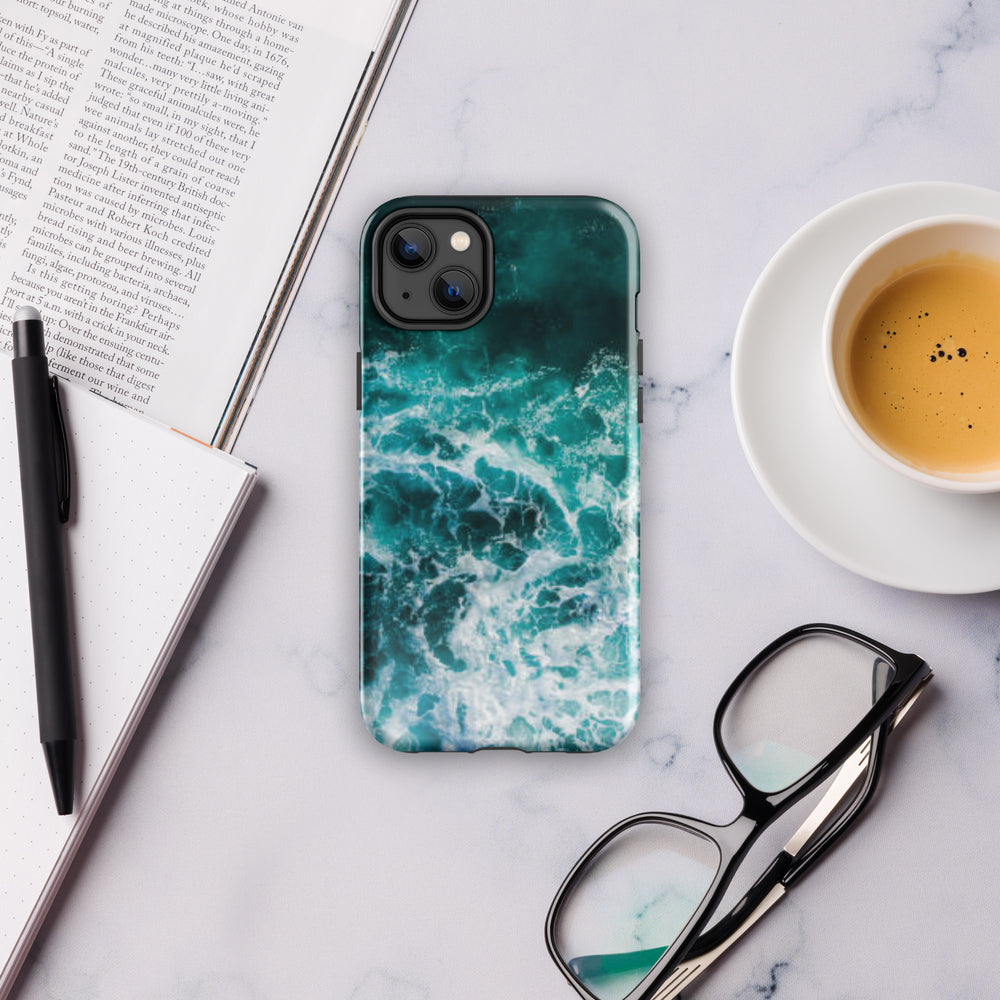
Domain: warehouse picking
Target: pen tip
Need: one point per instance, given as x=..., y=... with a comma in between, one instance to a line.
x=25, y=313
x=59, y=757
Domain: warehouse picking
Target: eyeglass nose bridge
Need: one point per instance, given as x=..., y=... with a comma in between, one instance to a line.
x=758, y=807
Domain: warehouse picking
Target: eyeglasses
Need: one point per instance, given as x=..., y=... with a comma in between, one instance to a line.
x=646, y=909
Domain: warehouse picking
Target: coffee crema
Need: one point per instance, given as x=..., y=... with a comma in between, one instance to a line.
x=924, y=365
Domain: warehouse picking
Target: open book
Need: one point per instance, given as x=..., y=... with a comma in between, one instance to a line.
x=151, y=511
x=166, y=167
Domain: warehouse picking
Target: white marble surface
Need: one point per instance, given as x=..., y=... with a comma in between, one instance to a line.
x=260, y=845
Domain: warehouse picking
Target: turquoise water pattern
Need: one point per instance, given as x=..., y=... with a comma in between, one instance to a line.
x=500, y=503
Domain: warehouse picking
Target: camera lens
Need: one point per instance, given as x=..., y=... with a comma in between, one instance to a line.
x=411, y=247
x=455, y=290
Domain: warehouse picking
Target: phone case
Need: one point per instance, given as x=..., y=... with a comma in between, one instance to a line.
x=500, y=494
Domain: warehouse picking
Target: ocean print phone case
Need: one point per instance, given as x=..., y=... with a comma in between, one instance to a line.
x=500, y=482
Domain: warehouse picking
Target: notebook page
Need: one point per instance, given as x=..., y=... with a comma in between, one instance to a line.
x=151, y=511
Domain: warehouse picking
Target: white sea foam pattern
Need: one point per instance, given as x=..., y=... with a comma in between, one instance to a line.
x=500, y=556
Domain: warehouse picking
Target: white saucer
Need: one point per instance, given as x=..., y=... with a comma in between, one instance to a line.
x=841, y=500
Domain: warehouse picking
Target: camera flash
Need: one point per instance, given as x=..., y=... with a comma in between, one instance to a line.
x=460, y=241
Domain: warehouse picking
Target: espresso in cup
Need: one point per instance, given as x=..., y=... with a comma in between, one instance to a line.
x=923, y=367
x=912, y=351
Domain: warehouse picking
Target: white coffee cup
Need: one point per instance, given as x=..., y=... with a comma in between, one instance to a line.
x=941, y=239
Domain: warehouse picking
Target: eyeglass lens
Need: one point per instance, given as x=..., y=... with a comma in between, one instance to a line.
x=633, y=902
x=793, y=710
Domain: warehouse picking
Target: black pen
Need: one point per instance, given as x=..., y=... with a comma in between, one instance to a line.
x=44, y=462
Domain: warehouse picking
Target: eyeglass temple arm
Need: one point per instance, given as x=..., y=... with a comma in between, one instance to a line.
x=866, y=762
x=693, y=966
x=789, y=866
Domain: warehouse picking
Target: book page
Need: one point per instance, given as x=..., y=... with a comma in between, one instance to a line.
x=156, y=159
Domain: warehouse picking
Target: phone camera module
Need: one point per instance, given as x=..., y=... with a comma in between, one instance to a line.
x=411, y=247
x=431, y=267
x=455, y=290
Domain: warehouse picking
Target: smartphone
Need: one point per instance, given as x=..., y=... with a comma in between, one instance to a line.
x=498, y=384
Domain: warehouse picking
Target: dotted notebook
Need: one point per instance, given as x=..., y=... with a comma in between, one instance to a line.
x=151, y=511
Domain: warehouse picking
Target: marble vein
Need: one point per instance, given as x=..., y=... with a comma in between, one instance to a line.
x=966, y=32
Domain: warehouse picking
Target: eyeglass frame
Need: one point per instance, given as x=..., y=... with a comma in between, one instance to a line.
x=864, y=746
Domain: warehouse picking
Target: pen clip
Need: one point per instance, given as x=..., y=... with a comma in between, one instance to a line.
x=61, y=444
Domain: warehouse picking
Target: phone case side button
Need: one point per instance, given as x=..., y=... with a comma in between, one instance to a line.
x=359, y=382
x=639, y=398
x=638, y=355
